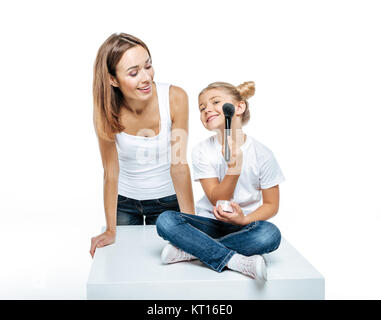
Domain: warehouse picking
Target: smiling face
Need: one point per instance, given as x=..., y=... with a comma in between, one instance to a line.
x=210, y=105
x=134, y=74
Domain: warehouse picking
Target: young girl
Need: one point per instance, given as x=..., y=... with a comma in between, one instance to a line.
x=249, y=180
x=136, y=120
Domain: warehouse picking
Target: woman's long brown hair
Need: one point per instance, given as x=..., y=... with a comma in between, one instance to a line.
x=108, y=99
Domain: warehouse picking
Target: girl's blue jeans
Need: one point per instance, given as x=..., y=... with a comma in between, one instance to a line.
x=213, y=241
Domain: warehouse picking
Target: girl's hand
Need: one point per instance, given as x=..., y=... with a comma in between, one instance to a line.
x=104, y=239
x=236, y=157
x=236, y=217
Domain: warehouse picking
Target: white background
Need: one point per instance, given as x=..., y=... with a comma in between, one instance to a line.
x=316, y=65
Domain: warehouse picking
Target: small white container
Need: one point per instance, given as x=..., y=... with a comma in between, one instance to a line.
x=225, y=205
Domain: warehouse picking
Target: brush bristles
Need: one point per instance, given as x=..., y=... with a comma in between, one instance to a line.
x=228, y=109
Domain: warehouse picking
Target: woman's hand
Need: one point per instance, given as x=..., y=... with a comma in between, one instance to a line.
x=236, y=217
x=104, y=239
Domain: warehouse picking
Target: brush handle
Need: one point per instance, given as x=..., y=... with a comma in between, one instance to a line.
x=227, y=149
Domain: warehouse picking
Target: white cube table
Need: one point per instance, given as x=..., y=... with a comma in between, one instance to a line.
x=131, y=269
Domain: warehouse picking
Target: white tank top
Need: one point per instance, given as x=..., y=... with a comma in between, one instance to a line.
x=144, y=162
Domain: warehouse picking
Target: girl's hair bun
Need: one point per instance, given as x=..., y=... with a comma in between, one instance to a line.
x=246, y=89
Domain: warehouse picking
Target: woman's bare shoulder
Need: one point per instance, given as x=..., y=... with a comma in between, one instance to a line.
x=178, y=101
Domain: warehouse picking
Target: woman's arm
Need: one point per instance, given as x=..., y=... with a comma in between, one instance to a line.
x=110, y=163
x=180, y=172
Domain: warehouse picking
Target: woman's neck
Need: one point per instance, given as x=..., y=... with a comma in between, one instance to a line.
x=137, y=107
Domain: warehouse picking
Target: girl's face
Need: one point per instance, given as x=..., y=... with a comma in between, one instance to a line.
x=210, y=105
x=134, y=74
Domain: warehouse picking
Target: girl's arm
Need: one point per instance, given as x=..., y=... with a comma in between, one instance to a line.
x=224, y=190
x=180, y=172
x=267, y=210
x=216, y=190
x=110, y=163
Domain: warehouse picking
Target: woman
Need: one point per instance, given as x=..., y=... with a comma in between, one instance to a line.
x=142, y=131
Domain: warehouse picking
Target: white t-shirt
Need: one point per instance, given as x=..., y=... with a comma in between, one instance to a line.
x=260, y=170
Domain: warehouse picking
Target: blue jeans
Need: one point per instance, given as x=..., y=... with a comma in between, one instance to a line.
x=213, y=241
x=132, y=211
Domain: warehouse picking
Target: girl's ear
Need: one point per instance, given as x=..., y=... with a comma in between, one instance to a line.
x=240, y=108
x=113, y=81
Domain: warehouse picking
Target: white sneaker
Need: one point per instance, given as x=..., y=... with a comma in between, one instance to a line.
x=253, y=266
x=260, y=268
x=171, y=254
